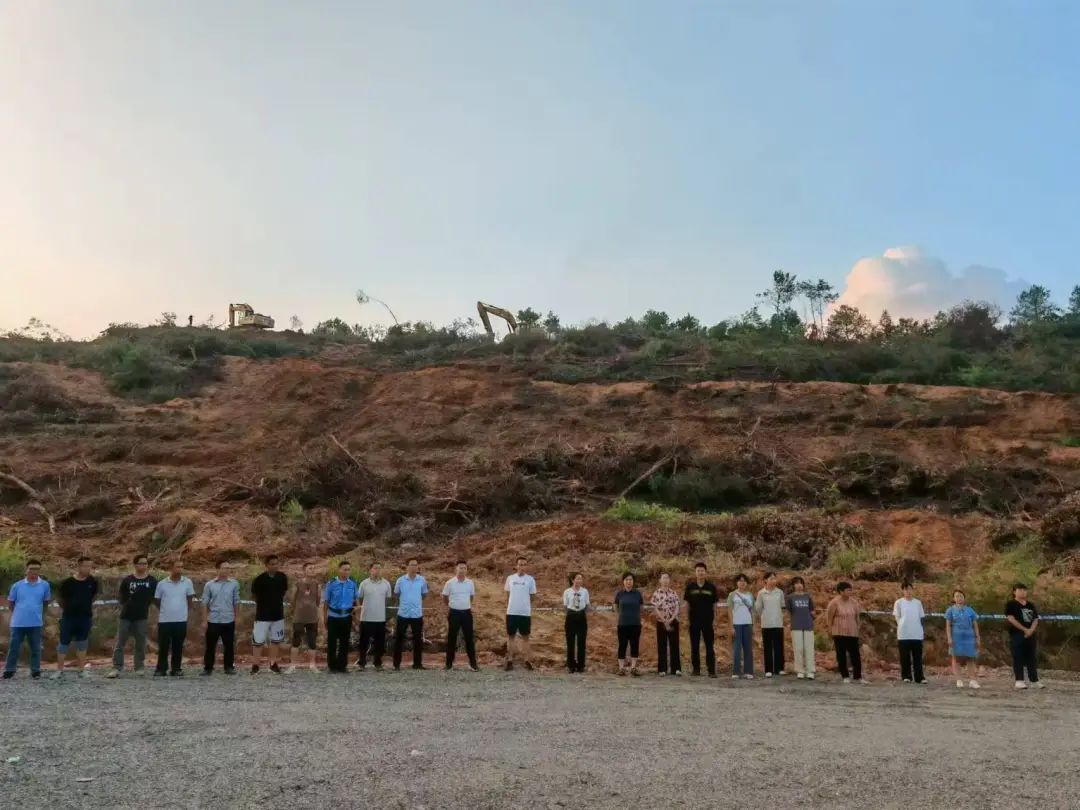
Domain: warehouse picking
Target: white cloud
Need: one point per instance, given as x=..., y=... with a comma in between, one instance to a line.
x=911, y=284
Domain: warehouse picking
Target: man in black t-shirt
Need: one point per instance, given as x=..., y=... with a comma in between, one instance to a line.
x=77, y=610
x=701, y=597
x=268, y=589
x=136, y=594
x=1022, y=620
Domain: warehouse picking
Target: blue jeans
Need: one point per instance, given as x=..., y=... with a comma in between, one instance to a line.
x=32, y=636
x=742, y=649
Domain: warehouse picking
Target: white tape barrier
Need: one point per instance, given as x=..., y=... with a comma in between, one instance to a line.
x=1056, y=617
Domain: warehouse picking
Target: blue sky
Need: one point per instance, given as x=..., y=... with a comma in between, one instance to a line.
x=593, y=158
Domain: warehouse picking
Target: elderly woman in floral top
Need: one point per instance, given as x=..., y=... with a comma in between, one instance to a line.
x=666, y=605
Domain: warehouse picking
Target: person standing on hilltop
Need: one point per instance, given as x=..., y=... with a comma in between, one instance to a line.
x=800, y=606
x=769, y=605
x=628, y=603
x=339, y=600
x=522, y=588
x=411, y=588
x=27, y=600
x=576, y=602
x=375, y=593
x=962, y=633
x=909, y=614
x=269, y=589
x=77, y=615
x=740, y=604
x=306, y=600
x=220, y=597
x=701, y=597
x=666, y=606
x=1023, y=621
x=136, y=594
x=842, y=618
x=173, y=597
x=458, y=593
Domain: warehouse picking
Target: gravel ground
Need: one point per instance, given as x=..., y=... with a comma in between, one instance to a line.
x=495, y=740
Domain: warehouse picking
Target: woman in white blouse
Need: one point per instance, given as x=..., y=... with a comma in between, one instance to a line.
x=576, y=601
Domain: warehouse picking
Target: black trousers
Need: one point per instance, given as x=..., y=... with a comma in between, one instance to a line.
x=460, y=620
x=577, y=628
x=667, y=648
x=702, y=633
x=772, y=647
x=338, y=629
x=847, y=647
x=171, y=637
x=629, y=636
x=226, y=633
x=911, y=661
x=1024, y=655
x=373, y=635
x=417, y=628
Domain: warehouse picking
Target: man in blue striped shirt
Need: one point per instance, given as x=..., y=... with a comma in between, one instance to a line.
x=339, y=599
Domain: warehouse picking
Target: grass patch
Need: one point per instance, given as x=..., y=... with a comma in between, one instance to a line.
x=1071, y=441
x=848, y=557
x=293, y=511
x=13, y=559
x=623, y=509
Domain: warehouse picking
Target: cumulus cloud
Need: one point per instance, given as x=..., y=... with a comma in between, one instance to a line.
x=908, y=283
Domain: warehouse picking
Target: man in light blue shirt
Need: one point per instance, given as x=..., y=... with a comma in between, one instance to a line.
x=220, y=597
x=410, y=590
x=338, y=602
x=27, y=600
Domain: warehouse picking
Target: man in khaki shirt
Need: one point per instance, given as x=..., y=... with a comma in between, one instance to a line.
x=306, y=600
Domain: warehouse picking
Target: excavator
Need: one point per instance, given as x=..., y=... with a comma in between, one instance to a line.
x=505, y=314
x=244, y=316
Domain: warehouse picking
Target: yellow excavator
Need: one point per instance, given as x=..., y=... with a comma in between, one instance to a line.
x=505, y=314
x=244, y=316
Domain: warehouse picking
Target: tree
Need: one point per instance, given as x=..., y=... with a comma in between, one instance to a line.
x=970, y=325
x=655, y=322
x=295, y=323
x=847, y=324
x=528, y=318
x=551, y=323
x=782, y=292
x=1034, y=306
x=335, y=327
x=885, y=326
x=1074, y=301
x=687, y=323
x=167, y=319
x=819, y=294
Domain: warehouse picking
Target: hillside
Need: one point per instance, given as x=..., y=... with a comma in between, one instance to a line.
x=312, y=459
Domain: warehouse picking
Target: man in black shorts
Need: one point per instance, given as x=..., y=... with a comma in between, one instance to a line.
x=521, y=587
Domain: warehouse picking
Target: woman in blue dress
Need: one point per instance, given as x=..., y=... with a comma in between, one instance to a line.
x=962, y=631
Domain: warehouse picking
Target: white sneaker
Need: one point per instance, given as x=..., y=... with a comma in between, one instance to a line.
x=810, y=676
x=783, y=672
x=748, y=677
x=960, y=684
x=847, y=680
x=1038, y=685
x=768, y=674
x=800, y=676
x=907, y=680
x=1020, y=685
x=314, y=668
x=112, y=673
x=734, y=677
x=291, y=670
x=971, y=684
x=862, y=681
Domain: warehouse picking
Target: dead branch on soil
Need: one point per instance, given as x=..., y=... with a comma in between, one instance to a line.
x=143, y=503
x=36, y=499
x=646, y=475
x=345, y=450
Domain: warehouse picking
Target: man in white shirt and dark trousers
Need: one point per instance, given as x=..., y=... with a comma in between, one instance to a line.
x=521, y=588
x=909, y=615
x=458, y=594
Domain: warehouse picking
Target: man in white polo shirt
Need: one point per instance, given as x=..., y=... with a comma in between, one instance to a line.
x=458, y=593
x=521, y=588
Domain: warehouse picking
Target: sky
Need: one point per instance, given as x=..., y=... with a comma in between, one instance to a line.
x=593, y=158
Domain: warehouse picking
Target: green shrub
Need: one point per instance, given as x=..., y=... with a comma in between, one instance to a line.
x=293, y=511
x=846, y=558
x=623, y=509
x=13, y=559
x=1071, y=441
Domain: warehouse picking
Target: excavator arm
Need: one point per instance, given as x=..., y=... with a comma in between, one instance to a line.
x=505, y=314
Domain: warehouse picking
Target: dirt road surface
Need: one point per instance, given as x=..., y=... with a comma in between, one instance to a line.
x=495, y=740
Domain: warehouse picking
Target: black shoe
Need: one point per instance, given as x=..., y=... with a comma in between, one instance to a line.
x=254, y=669
x=275, y=668
x=509, y=666
x=378, y=667
x=448, y=667
x=9, y=675
x=712, y=674
x=176, y=673
x=35, y=675
x=418, y=666
x=230, y=671
x=696, y=673
x=397, y=667
x=160, y=673
x=206, y=673
x=529, y=666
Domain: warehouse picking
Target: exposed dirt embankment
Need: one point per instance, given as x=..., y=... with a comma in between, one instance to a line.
x=311, y=460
